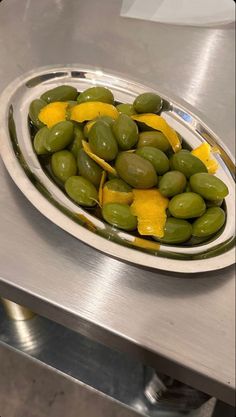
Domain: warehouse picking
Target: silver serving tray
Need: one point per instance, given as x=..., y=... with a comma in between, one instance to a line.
x=23, y=166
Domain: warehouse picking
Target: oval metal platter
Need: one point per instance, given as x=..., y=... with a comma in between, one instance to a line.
x=24, y=167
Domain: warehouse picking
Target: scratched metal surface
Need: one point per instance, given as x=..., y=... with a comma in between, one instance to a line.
x=185, y=327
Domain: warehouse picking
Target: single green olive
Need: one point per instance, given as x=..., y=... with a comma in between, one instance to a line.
x=157, y=158
x=148, y=103
x=172, y=183
x=176, y=231
x=214, y=203
x=63, y=165
x=209, y=223
x=102, y=141
x=119, y=215
x=39, y=141
x=82, y=191
x=60, y=93
x=101, y=94
x=125, y=131
x=126, y=109
x=187, y=206
x=76, y=145
x=209, y=186
x=34, y=110
x=187, y=163
x=155, y=139
x=135, y=170
x=60, y=136
x=117, y=184
x=88, y=168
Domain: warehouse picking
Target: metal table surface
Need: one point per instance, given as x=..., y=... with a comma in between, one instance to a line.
x=184, y=325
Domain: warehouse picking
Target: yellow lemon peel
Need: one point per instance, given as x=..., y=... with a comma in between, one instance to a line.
x=100, y=191
x=150, y=208
x=158, y=123
x=203, y=152
x=91, y=110
x=145, y=244
x=53, y=113
x=113, y=196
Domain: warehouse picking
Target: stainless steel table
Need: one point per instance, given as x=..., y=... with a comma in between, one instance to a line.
x=184, y=325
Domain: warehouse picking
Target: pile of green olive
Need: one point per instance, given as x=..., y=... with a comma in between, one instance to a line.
x=142, y=158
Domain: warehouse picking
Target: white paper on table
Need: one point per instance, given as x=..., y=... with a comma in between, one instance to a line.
x=181, y=12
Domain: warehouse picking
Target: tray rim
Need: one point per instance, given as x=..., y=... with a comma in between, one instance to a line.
x=56, y=216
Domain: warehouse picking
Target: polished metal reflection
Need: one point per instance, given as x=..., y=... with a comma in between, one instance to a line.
x=15, y=311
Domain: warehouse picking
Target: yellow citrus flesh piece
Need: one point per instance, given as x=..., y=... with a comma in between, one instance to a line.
x=91, y=110
x=150, y=208
x=203, y=152
x=158, y=123
x=53, y=113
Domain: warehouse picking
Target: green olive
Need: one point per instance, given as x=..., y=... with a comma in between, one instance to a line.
x=119, y=215
x=39, y=141
x=126, y=109
x=187, y=206
x=102, y=141
x=157, y=158
x=60, y=136
x=135, y=170
x=125, y=131
x=209, y=223
x=101, y=94
x=214, y=203
x=209, y=186
x=82, y=191
x=61, y=93
x=155, y=139
x=76, y=145
x=172, y=183
x=148, y=103
x=88, y=168
x=63, y=165
x=117, y=184
x=176, y=231
x=187, y=163
x=34, y=109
